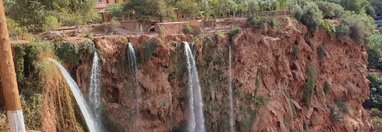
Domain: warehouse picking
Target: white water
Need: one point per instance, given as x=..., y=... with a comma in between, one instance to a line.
x=133, y=67
x=196, y=117
x=95, y=91
x=16, y=121
x=231, y=115
x=78, y=96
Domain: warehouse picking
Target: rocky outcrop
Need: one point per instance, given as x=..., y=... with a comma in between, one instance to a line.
x=284, y=79
x=271, y=73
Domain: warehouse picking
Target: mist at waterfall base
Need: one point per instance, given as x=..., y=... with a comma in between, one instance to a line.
x=78, y=97
x=94, y=95
x=195, y=117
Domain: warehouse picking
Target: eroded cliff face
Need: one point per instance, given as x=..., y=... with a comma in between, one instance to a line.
x=275, y=72
x=272, y=70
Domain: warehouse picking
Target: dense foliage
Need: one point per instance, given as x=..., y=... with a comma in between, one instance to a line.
x=34, y=14
x=375, y=92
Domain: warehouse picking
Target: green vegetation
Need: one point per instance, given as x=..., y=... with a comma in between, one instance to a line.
x=328, y=26
x=375, y=100
x=336, y=115
x=258, y=22
x=321, y=52
x=342, y=105
x=15, y=30
x=374, y=51
x=358, y=26
x=147, y=52
x=234, y=32
x=36, y=14
x=330, y=10
x=150, y=10
x=377, y=115
x=311, y=16
x=296, y=52
x=310, y=85
x=116, y=10
x=326, y=87
x=187, y=29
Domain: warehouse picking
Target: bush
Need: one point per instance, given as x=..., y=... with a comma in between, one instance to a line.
x=326, y=87
x=15, y=30
x=234, y=32
x=310, y=85
x=375, y=86
x=258, y=22
x=328, y=26
x=187, y=29
x=321, y=52
x=358, y=26
x=68, y=52
x=342, y=30
x=296, y=52
x=297, y=12
x=50, y=23
x=115, y=10
x=312, y=16
x=374, y=51
x=330, y=10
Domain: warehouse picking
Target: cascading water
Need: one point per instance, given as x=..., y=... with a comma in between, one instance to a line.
x=231, y=115
x=95, y=91
x=196, y=117
x=132, y=59
x=78, y=96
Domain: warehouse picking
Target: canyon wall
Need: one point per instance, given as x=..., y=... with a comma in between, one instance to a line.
x=275, y=72
x=284, y=79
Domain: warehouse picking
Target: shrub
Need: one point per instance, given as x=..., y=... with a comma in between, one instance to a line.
x=344, y=107
x=115, y=10
x=259, y=100
x=360, y=26
x=326, y=87
x=336, y=115
x=321, y=52
x=50, y=23
x=328, y=26
x=374, y=51
x=15, y=30
x=68, y=52
x=234, y=32
x=296, y=52
x=297, y=12
x=312, y=16
x=258, y=22
x=310, y=85
x=330, y=10
x=148, y=51
x=187, y=29
x=342, y=30
x=375, y=87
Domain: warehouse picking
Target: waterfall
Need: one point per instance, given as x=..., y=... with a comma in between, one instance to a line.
x=231, y=115
x=95, y=91
x=132, y=59
x=78, y=96
x=196, y=117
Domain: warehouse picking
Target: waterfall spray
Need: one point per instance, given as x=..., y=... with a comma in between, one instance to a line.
x=196, y=117
x=78, y=96
x=231, y=115
x=95, y=91
x=134, y=69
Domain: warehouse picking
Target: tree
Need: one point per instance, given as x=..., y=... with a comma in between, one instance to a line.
x=32, y=13
x=188, y=8
x=150, y=10
x=8, y=78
